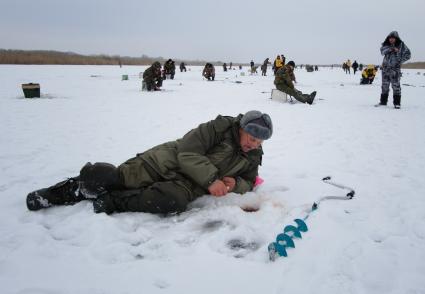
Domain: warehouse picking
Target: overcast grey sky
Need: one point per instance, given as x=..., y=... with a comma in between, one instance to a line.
x=307, y=31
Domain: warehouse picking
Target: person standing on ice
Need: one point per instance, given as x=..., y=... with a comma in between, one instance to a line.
x=355, y=66
x=169, y=69
x=152, y=80
x=348, y=66
x=277, y=64
x=182, y=67
x=395, y=53
x=283, y=58
x=264, y=67
x=217, y=157
x=284, y=81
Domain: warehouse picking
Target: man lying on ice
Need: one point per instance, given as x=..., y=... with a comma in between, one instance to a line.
x=216, y=158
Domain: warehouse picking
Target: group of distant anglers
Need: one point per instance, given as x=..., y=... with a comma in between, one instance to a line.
x=154, y=76
x=393, y=49
x=368, y=72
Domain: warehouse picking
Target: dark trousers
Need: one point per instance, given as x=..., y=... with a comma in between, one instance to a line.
x=135, y=186
x=391, y=77
x=366, y=81
x=298, y=95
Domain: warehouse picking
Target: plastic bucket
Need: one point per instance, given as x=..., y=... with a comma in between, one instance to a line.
x=31, y=90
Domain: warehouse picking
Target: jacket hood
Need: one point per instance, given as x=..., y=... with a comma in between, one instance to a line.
x=393, y=34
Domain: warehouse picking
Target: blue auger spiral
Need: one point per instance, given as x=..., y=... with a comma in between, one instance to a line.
x=285, y=240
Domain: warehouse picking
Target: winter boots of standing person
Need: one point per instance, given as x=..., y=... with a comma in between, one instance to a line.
x=397, y=100
x=94, y=180
x=384, y=100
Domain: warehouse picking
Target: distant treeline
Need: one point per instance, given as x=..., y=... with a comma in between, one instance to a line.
x=56, y=57
x=414, y=65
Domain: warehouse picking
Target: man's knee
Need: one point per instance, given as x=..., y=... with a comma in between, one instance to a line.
x=100, y=174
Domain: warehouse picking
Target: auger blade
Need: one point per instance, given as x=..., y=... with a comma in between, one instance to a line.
x=302, y=226
x=292, y=229
x=286, y=240
x=281, y=250
x=275, y=250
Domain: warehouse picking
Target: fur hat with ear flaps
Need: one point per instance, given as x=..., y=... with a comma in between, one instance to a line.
x=257, y=124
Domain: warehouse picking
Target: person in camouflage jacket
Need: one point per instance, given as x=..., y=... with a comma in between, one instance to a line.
x=152, y=80
x=395, y=53
x=284, y=81
x=264, y=67
x=169, y=69
x=217, y=157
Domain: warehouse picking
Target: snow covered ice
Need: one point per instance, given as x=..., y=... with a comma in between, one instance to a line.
x=371, y=244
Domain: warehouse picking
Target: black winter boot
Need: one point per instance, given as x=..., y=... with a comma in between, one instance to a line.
x=311, y=97
x=396, y=101
x=63, y=193
x=384, y=99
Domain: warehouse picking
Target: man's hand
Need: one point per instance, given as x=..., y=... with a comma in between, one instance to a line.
x=218, y=188
x=230, y=183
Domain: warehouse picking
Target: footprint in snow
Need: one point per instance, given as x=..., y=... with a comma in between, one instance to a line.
x=212, y=225
x=241, y=247
x=161, y=284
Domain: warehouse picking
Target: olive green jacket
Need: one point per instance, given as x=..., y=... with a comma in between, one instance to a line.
x=152, y=75
x=285, y=76
x=206, y=153
x=169, y=67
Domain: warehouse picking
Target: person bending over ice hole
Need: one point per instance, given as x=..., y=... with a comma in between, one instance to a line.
x=368, y=74
x=209, y=72
x=152, y=80
x=217, y=157
x=284, y=82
